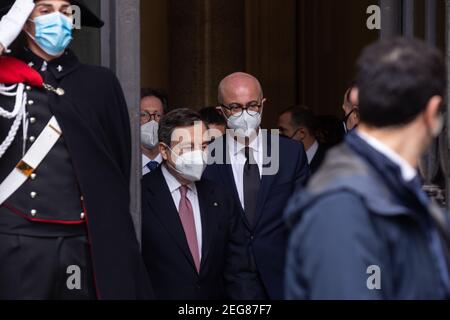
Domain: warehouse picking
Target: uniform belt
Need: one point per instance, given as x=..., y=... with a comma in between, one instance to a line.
x=32, y=159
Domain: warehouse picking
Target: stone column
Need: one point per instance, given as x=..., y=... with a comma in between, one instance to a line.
x=121, y=52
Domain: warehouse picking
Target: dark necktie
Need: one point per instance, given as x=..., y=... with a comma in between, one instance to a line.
x=152, y=165
x=252, y=183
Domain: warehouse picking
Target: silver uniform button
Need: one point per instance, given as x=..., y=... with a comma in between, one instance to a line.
x=32, y=139
x=33, y=195
x=82, y=216
x=33, y=176
x=28, y=88
x=33, y=213
x=30, y=102
x=32, y=120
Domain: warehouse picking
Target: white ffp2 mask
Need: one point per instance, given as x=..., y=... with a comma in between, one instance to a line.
x=245, y=124
x=149, y=135
x=190, y=165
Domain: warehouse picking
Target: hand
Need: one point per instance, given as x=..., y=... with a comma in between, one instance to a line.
x=12, y=23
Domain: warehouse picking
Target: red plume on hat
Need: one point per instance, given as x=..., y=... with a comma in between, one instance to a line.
x=14, y=71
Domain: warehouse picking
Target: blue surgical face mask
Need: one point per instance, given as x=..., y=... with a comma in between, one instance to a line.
x=53, y=33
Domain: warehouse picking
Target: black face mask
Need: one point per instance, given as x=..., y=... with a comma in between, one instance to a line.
x=291, y=137
x=345, y=120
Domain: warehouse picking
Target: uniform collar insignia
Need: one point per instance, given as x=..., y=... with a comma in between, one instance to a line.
x=59, y=67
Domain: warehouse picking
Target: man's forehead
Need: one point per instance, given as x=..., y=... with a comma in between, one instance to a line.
x=52, y=2
x=196, y=129
x=151, y=101
x=241, y=94
x=287, y=116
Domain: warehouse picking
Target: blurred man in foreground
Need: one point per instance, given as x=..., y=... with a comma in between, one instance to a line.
x=364, y=229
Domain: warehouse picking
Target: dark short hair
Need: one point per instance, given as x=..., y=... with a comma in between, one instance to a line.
x=210, y=115
x=302, y=116
x=330, y=130
x=396, y=78
x=150, y=92
x=177, y=118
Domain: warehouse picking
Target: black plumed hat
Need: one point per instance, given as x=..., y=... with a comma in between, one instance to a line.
x=88, y=18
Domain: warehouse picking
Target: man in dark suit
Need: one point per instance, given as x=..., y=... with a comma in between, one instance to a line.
x=300, y=124
x=262, y=171
x=193, y=245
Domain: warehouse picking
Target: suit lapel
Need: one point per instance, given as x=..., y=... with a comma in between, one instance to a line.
x=267, y=181
x=209, y=219
x=160, y=199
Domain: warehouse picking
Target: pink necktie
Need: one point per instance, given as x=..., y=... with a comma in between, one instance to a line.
x=188, y=222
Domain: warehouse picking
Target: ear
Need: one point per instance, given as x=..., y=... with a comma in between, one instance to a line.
x=163, y=151
x=220, y=109
x=28, y=29
x=263, y=102
x=303, y=132
x=355, y=114
x=354, y=96
x=432, y=110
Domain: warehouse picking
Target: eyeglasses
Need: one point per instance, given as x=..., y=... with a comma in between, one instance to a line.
x=237, y=109
x=147, y=117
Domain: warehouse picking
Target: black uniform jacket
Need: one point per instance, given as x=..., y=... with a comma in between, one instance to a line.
x=94, y=120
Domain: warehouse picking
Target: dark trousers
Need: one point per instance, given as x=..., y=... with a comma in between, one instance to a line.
x=34, y=268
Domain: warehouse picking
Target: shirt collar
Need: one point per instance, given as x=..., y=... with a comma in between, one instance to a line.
x=255, y=145
x=146, y=160
x=311, y=152
x=59, y=67
x=408, y=172
x=173, y=184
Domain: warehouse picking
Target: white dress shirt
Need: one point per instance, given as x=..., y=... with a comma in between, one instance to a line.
x=311, y=152
x=146, y=160
x=174, y=188
x=236, y=151
x=408, y=171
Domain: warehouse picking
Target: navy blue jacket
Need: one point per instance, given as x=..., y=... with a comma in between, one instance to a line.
x=267, y=240
x=356, y=220
x=223, y=273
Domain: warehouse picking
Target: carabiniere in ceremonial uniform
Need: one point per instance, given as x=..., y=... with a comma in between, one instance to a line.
x=65, y=227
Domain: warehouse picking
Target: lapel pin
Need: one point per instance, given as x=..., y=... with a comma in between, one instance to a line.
x=216, y=204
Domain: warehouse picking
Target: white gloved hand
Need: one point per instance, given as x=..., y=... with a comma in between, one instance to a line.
x=12, y=23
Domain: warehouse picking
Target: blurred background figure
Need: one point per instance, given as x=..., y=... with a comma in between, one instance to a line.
x=364, y=228
x=153, y=106
x=214, y=121
x=330, y=131
x=300, y=124
x=351, y=111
